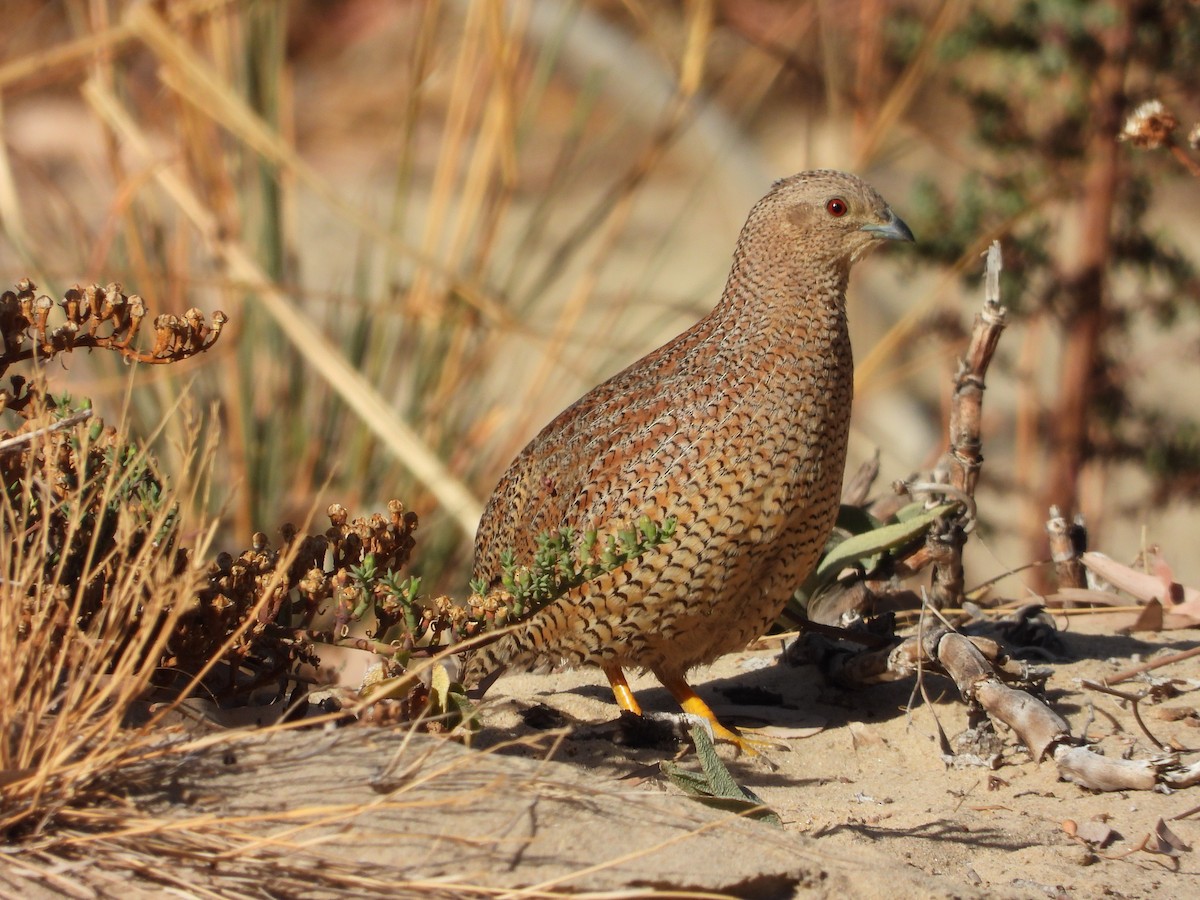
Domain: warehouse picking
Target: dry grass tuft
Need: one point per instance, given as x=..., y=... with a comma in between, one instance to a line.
x=94, y=584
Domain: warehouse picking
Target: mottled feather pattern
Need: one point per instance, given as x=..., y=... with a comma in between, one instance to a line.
x=737, y=428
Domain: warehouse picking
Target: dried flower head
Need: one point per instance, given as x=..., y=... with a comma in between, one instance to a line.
x=1150, y=126
x=96, y=317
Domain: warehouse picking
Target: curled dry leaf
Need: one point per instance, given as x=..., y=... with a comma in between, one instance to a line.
x=1164, y=840
x=1176, y=599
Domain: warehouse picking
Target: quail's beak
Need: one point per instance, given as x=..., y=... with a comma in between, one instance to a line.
x=893, y=229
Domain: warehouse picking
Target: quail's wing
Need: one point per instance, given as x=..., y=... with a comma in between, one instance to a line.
x=571, y=474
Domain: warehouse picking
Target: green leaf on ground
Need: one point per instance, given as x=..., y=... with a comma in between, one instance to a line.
x=714, y=786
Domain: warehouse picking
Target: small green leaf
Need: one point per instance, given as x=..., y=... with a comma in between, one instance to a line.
x=862, y=546
x=649, y=530
x=686, y=780
x=361, y=607
x=467, y=715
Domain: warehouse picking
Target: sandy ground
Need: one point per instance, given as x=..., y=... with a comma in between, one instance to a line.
x=869, y=776
x=554, y=798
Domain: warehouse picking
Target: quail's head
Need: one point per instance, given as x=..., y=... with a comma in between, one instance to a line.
x=820, y=218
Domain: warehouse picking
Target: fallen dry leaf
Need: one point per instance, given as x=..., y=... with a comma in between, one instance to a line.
x=863, y=736
x=1149, y=619
x=1174, y=713
x=1095, y=833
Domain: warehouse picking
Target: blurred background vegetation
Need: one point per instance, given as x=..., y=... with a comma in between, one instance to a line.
x=434, y=224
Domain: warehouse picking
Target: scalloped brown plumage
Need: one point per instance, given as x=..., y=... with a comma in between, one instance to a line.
x=736, y=428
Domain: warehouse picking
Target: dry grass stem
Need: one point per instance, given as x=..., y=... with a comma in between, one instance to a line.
x=358, y=393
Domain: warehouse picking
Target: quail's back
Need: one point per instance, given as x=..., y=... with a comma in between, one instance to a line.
x=736, y=428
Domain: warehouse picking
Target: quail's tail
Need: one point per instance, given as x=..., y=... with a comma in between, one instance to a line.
x=481, y=667
x=479, y=674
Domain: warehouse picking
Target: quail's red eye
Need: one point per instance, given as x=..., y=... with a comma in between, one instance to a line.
x=836, y=207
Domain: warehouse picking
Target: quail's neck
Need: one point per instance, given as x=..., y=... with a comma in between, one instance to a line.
x=796, y=300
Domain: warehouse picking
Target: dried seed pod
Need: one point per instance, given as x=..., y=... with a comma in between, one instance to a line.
x=1150, y=126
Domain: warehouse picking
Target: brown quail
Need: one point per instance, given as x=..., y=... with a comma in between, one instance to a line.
x=736, y=428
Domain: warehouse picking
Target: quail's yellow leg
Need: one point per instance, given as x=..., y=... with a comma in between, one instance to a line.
x=692, y=704
x=621, y=690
